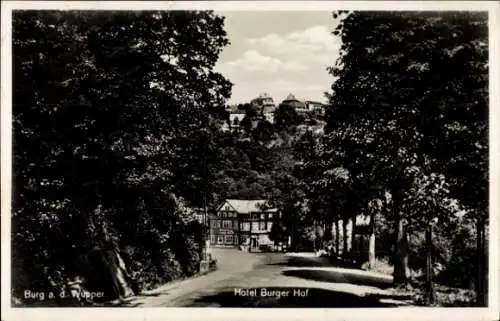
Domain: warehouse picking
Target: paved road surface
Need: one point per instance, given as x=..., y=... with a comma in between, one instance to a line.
x=272, y=280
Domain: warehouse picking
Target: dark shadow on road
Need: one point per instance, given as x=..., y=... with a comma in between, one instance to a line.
x=338, y=277
x=313, y=298
x=297, y=261
x=151, y=294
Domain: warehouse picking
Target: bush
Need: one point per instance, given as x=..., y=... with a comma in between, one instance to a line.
x=447, y=297
x=451, y=297
x=187, y=253
x=381, y=265
x=460, y=268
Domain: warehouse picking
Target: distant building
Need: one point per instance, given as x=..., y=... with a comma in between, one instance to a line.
x=266, y=105
x=293, y=101
x=303, y=107
x=235, y=117
x=314, y=105
x=300, y=106
x=265, y=102
x=242, y=223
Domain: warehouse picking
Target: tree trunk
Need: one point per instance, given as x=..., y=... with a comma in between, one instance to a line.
x=337, y=237
x=351, y=230
x=112, y=276
x=429, y=271
x=371, y=242
x=481, y=281
x=123, y=277
x=344, y=237
x=401, y=270
x=315, y=236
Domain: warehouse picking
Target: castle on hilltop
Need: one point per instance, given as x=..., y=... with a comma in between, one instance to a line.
x=266, y=107
x=266, y=104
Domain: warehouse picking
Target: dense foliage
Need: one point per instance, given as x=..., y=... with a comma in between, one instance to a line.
x=104, y=105
x=408, y=117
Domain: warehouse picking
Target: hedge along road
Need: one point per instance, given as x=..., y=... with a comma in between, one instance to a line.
x=272, y=280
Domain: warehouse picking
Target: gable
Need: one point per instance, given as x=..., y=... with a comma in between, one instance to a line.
x=226, y=207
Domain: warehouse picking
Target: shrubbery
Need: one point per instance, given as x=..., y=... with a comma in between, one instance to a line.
x=381, y=265
x=155, y=259
x=100, y=154
x=454, y=251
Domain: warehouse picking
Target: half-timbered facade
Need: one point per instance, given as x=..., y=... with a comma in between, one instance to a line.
x=245, y=224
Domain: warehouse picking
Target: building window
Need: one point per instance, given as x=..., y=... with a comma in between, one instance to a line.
x=245, y=226
x=227, y=224
x=243, y=239
x=216, y=223
x=212, y=239
x=262, y=216
x=220, y=239
x=269, y=226
x=255, y=226
x=270, y=216
x=262, y=226
x=228, y=239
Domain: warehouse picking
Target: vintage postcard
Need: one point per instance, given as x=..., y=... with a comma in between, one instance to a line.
x=330, y=160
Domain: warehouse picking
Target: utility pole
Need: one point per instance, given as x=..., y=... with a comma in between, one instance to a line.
x=314, y=235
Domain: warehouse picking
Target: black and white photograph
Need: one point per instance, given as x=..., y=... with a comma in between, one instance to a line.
x=221, y=157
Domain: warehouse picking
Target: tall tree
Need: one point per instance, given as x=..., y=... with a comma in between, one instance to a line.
x=97, y=137
x=396, y=100
x=286, y=118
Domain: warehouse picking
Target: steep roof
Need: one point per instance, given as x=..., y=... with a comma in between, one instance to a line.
x=291, y=97
x=248, y=206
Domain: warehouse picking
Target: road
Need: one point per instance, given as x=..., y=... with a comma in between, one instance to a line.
x=272, y=280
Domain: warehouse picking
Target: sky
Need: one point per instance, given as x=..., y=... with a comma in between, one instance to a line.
x=279, y=52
